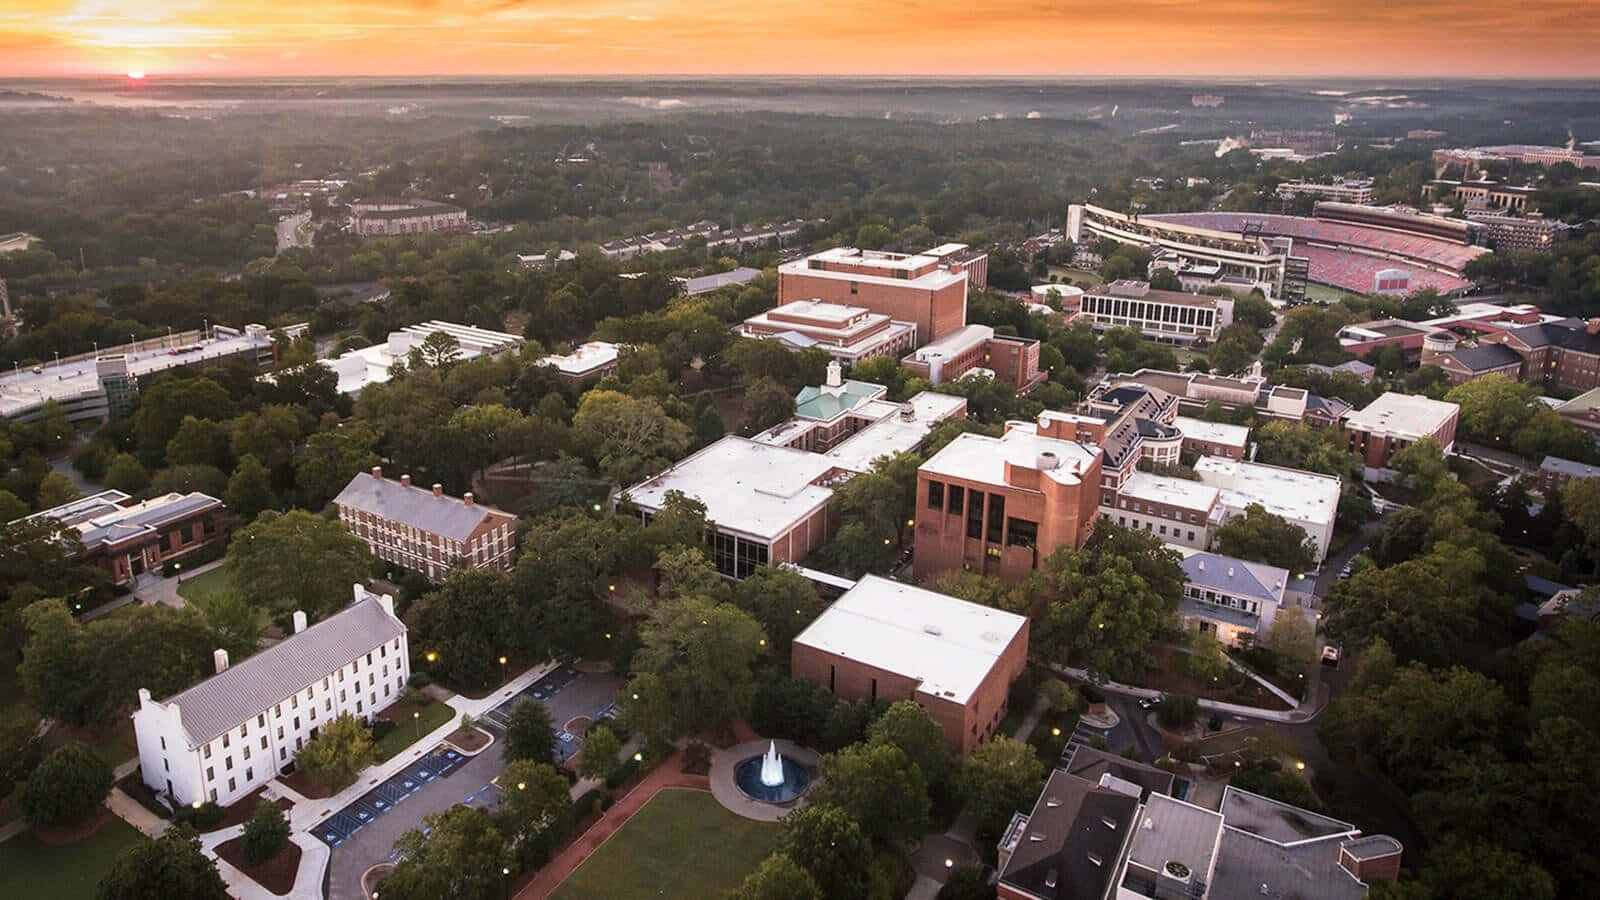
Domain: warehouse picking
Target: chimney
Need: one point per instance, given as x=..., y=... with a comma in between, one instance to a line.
x=438, y=490
x=1202, y=565
x=299, y=621
x=219, y=656
x=1592, y=326
x=405, y=480
x=467, y=498
x=377, y=471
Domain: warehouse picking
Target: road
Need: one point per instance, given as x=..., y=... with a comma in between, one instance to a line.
x=294, y=231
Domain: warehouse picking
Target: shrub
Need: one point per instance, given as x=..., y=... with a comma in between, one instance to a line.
x=381, y=727
x=1062, y=697
x=697, y=758
x=419, y=680
x=265, y=833
x=591, y=801
x=1288, y=787
x=201, y=818
x=1177, y=710
x=625, y=771
x=68, y=786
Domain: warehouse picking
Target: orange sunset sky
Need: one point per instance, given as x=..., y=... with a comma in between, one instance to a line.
x=1546, y=38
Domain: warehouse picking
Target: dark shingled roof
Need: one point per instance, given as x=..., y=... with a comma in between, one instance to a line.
x=1486, y=357
x=1072, y=821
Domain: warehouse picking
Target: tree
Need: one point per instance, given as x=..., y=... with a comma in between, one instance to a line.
x=535, y=808
x=1292, y=637
x=250, y=488
x=57, y=489
x=1230, y=357
x=966, y=883
x=877, y=785
x=67, y=787
x=1266, y=537
x=200, y=442
x=459, y=853
x=171, y=867
x=782, y=600
x=189, y=479
x=1580, y=499
x=163, y=407
x=1418, y=720
x=232, y=624
x=1205, y=660
x=1279, y=785
x=827, y=843
x=296, y=561
x=626, y=437
x=468, y=623
x=685, y=571
x=530, y=734
x=1420, y=609
x=440, y=349
x=599, y=757
x=53, y=661
x=1422, y=465
x=1100, y=607
x=907, y=726
x=125, y=473
x=1300, y=446
x=778, y=877
x=268, y=434
x=1476, y=868
x=1492, y=407
x=265, y=833
x=339, y=751
x=703, y=653
x=1000, y=778
x=324, y=465
x=766, y=403
x=12, y=507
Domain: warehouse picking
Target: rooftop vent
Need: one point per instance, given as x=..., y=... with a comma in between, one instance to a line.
x=932, y=629
x=1047, y=460
x=1095, y=858
x=1108, y=822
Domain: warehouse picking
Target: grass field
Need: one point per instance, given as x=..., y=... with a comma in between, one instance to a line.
x=31, y=869
x=206, y=585
x=407, y=730
x=681, y=844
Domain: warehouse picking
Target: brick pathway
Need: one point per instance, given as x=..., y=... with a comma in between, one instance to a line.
x=666, y=775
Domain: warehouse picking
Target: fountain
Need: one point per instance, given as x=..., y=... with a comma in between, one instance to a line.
x=772, y=766
x=772, y=777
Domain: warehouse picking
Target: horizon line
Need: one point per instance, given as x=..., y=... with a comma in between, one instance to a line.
x=1248, y=80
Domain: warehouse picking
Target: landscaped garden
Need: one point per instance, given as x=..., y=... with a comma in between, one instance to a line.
x=683, y=843
x=410, y=720
x=31, y=868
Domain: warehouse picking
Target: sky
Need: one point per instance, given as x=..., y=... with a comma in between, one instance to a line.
x=1241, y=38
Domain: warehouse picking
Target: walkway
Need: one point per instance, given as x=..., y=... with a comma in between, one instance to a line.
x=724, y=764
x=667, y=775
x=165, y=590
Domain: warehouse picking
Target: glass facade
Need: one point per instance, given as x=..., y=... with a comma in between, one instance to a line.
x=735, y=556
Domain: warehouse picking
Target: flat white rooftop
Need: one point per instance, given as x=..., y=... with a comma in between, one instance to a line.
x=983, y=459
x=1404, y=416
x=1214, y=432
x=370, y=365
x=1170, y=491
x=760, y=490
x=949, y=645
x=584, y=359
x=1291, y=493
x=894, y=433
x=955, y=343
x=888, y=264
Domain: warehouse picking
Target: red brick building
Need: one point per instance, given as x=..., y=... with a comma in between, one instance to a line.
x=129, y=539
x=425, y=530
x=1396, y=421
x=883, y=640
x=925, y=289
x=1013, y=360
x=999, y=505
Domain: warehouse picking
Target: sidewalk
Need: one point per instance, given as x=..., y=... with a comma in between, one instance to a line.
x=129, y=810
x=1300, y=715
x=165, y=590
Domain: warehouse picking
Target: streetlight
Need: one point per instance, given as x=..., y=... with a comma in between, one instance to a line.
x=416, y=719
x=502, y=670
x=949, y=863
x=639, y=756
x=1299, y=766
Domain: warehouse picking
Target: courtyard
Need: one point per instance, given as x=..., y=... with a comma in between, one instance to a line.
x=683, y=843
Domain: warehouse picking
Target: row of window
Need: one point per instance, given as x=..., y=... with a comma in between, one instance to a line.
x=992, y=528
x=1176, y=533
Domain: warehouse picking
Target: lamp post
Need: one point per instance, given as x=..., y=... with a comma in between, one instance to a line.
x=416, y=718
x=502, y=670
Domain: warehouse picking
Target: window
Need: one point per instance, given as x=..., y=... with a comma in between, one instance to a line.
x=936, y=495
x=249, y=775
x=1022, y=533
x=224, y=740
x=211, y=773
x=232, y=786
x=261, y=720
x=997, y=518
x=206, y=753
x=975, y=515
x=163, y=743
x=957, y=498
x=227, y=763
x=263, y=742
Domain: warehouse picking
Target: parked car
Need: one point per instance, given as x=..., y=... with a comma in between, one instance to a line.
x=1148, y=702
x=1330, y=656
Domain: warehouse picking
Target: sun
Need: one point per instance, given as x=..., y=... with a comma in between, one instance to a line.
x=136, y=76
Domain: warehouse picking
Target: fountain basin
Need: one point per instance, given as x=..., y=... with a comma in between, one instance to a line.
x=747, y=775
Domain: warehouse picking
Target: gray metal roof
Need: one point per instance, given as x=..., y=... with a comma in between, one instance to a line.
x=1275, y=820
x=241, y=692
x=1569, y=467
x=704, y=283
x=1246, y=863
x=1486, y=356
x=148, y=521
x=415, y=505
x=1237, y=577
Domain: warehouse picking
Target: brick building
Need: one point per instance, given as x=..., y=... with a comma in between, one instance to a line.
x=389, y=217
x=1396, y=421
x=1583, y=411
x=847, y=333
x=424, y=530
x=586, y=363
x=929, y=290
x=128, y=539
x=1013, y=360
x=1162, y=315
x=887, y=641
x=1555, y=472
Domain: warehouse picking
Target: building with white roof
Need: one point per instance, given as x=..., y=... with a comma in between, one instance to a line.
x=767, y=497
x=235, y=731
x=587, y=362
x=93, y=387
x=370, y=365
x=974, y=350
x=929, y=290
x=845, y=332
x=1396, y=421
x=883, y=640
x=1307, y=499
x=1203, y=438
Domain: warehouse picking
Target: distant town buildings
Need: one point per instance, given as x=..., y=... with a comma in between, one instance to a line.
x=128, y=538
x=705, y=284
x=1112, y=836
x=1531, y=233
x=587, y=362
x=370, y=365
x=1196, y=390
x=883, y=641
x=1163, y=315
x=1481, y=195
x=94, y=387
x=927, y=289
x=716, y=237
x=387, y=217
x=1528, y=154
x=1394, y=421
x=767, y=497
x=1207, y=101
x=232, y=733
x=1303, y=141
x=1345, y=190
x=846, y=332
x=424, y=529
x=16, y=241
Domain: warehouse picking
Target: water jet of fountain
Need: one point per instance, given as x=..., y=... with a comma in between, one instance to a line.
x=772, y=766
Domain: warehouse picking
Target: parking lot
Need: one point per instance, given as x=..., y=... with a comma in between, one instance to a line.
x=569, y=694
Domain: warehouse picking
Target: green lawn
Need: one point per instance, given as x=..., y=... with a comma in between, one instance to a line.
x=29, y=868
x=206, y=585
x=406, y=732
x=682, y=844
